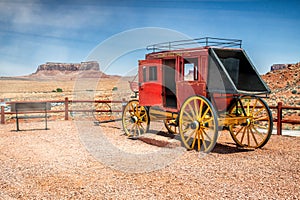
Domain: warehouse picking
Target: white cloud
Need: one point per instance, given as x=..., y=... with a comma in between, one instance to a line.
x=31, y=14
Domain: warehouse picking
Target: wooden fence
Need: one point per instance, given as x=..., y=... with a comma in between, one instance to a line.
x=67, y=110
x=279, y=108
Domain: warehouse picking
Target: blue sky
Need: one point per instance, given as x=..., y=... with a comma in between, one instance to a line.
x=33, y=32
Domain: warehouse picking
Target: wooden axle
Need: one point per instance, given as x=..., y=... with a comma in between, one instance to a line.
x=227, y=120
x=157, y=113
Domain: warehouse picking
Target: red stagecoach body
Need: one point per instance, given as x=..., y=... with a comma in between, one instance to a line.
x=167, y=78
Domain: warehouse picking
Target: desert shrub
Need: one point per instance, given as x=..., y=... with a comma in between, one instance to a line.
x=294, y=91
x=58, y=90
x=115, y=88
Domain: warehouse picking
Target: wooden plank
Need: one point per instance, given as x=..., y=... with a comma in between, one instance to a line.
x=30, y=106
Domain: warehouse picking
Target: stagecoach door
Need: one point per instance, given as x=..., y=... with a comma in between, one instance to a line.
x=150, y=82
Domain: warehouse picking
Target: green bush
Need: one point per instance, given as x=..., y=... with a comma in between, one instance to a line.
x=115, y=88
x=58, y=90
x=294, y=91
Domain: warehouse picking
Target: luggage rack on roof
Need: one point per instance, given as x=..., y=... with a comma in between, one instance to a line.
x=197, y=42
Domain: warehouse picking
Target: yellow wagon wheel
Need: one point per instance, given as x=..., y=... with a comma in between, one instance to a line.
x=257, y=129
x=198, y=124
x=171, y=126
x=135, y=119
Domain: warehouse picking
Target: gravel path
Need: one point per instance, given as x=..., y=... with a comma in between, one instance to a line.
x=83, y=161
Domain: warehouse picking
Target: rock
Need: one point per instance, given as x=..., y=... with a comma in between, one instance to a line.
x=69, y=71
x=159, y=140
x=83, y=66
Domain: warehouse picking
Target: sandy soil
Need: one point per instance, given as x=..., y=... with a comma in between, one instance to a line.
x=78, y=160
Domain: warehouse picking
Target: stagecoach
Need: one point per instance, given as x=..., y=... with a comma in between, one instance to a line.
x=197, y=88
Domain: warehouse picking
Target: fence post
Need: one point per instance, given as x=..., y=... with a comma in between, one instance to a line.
x=66, y=108
x=124, y=103
x=279, y=118
x=2, y=115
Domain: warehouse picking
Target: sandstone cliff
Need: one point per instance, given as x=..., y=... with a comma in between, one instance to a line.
x=90, y=69
x=285, y=85
x=72, y=67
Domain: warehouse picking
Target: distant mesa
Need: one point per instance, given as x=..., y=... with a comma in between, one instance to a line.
x=72, y=67
x=279, y=66
x=89, y=69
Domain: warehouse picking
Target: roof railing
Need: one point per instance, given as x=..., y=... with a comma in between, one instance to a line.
x=197, y=42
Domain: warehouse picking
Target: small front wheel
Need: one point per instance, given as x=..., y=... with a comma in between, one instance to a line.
x=135, y=119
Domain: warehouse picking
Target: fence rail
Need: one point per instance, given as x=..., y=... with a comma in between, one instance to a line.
x=279, y=118
x=279, y=108
x=67, y=110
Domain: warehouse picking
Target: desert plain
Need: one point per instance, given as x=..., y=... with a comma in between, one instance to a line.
x=76, y=159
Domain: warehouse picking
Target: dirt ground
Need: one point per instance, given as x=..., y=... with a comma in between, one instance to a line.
x=78, y=160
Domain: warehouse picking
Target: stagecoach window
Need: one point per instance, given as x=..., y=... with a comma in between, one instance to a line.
x=190, y=69
x=152, y=73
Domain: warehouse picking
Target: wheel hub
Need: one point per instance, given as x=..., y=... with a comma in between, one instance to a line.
x=195, y=125
x=248, y=122
x=134, y=119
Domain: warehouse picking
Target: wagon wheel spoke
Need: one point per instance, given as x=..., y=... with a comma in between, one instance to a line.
x=239, y=130
x=257, y=128
x=200, y=110
x=190, y=135
x=257, y=132
x=205, y=113
x=243, y=135
x=203, y=142
x=191, y=109
x=248, y=109
x=195, y=117
x=132, y=109
x=208, y=120
x=254, y=138
x=132, y=129
x=255, y=103
x=194, y=140
x=264, y=118
x=196, y=106
x=204, y=133
x=198, y=141
x=248, y=137
x=188, y=115
x=259, y=111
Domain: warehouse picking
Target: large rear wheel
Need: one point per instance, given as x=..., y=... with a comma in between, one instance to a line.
x=257, y=129
x=198, y=124
x=135, y=119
